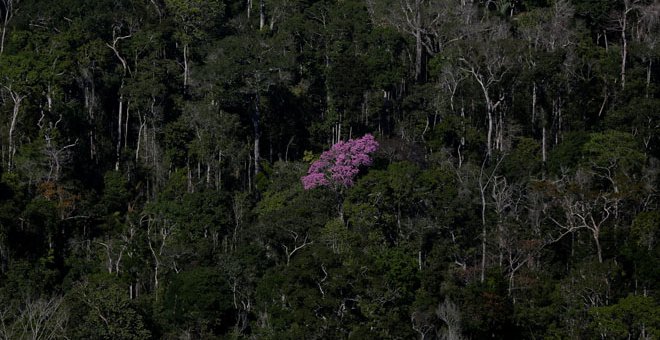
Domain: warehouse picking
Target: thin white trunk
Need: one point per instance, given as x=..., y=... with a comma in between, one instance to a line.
x=490, y=107
x=533, y=102
x=139, y=138
x=543, y=145
x=489, y=139
x=483, y=235
x=598, y=248
x=2, y=38
x=482, y=192
x=482, y=188
x=185, y=65
x=286, y=152
x=624, y=53
x=119, y=121
x=418, y=53
x=17, y=99
x=128, y=106
x=257, y=135
x=5, y=22
x=624, y=41
x=262, y=14
x=648, y=76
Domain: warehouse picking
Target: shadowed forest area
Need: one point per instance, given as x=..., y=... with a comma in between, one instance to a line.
x=163, y=174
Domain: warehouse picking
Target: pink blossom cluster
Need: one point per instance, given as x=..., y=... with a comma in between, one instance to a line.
x=340, y=164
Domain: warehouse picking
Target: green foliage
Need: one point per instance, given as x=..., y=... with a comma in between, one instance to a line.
x=634, y=316
x=116, y=192
x=194, y=17
x=641, y=251
x=199, y=299
x=614, y=149
x=198, y=220
x=567, y=154
x=524, y=160
x=102, y=310
x=640, y=115
x=136, y=197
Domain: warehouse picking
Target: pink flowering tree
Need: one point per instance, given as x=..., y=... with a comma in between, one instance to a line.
x=337, y=167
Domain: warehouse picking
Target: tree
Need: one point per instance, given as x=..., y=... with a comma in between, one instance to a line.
x=487, y=65
x=615, y=157
x=629, y=7
x=40, y=319
x=21, y=75
x=102, y=310
x=450, y=315
x=432, y=25
x=648, y=35
x=337, y=167
x=290, y=217
x=7, y=11
x=550, y=40
x=583, y=208
x=632, y=317
x=246, y=71
x=199, y=300
x=195, y=19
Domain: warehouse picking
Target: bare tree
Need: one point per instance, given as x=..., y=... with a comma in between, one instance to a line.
x=487, y=64
x=449, y=81
x=450, y=315
x=41, y=319
x=588, y=211
x=422, y=323
x=116, y=248
x=57, y=155
x=298, y=243
x=159, y=232
x=116, y=38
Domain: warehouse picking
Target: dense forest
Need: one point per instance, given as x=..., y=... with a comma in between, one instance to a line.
x=166, y=169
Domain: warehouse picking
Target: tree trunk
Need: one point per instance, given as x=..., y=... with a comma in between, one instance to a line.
x=490, y=107
x=4, y=32
x=8, y=4
x=257, y=134
x=139, y=136
x=262, y=14
x=648, y=76
x=489, y=139
x=598, y=248
x=17, y=99
x=419, y=50
x=119, y=121
x=483, y=231
x=624, y=42
x=543, y=145
x=185, y=66
x=128, y=106
x=533, y=103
